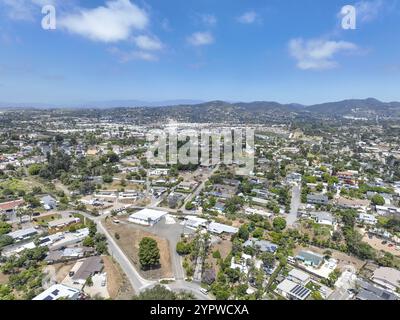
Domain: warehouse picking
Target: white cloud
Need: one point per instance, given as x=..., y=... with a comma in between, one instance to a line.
x=127, y=56
x=25, y=10
x=316, y=54
x=209, y=20
x=201, y=39
x=110, y=23
x=248, y=17
x=148, y=43
x=368, y=10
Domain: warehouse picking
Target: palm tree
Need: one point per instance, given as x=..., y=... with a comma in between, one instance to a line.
x=20, y=212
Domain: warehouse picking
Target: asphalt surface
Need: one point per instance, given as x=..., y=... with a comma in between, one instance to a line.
x=291, y=218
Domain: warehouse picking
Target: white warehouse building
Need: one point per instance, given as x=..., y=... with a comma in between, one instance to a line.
x=147, y=217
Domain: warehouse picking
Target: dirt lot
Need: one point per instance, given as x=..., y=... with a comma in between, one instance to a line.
x=62, y=270
x=3, y=278
x=118, y=285
x=130, y=238
x=343, y=259
x=376, y=243
x=224, y=248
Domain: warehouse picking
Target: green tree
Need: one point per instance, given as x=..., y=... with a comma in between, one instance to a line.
x=244, y=232
x=279, y=223
x=149, y=253
x=34, y=169
x=378, y=200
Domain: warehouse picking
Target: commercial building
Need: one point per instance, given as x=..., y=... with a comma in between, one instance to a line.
x=147, y=217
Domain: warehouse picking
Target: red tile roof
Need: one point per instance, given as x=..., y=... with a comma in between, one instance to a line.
x=11, y=204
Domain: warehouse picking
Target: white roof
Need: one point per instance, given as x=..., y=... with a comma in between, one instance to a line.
x=147, y=214
x=58, y=291
x=220, y=228
x=286, y=286
x=22, y=233
x=298, y=274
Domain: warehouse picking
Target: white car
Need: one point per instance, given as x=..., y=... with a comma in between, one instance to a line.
x=204, y=291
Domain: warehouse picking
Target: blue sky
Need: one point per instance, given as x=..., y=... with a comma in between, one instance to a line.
x=236, y=50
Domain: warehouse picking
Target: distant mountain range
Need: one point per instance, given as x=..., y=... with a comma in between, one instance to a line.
x=192, y=110
x=100, y=104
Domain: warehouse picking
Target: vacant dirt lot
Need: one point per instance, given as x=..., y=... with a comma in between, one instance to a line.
x=62, y=270
x=118, y=285
x=376, y=243
x=224, y=247
x=129, y=239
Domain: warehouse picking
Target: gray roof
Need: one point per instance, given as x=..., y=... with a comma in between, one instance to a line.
x=370, y=292
x=262, y=244
x=309, y=256
x=89, y=267
x=323, y=216
x=22, y=233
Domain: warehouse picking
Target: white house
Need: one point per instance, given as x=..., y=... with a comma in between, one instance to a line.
x=367, y=218
x=59, y=291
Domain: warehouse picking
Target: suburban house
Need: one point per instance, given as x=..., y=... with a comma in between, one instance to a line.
x=10, y=207
x=262, y=245
x=59, y=291
x=23, y=234
x=367, y=218
x=48, y=202
x=250, y=211
x=324, y=218
x=219, y=228
x=60, y=223
x=292, y=291
x=85, y=269
x=353, y=203
x=310, y=258
x=388, y=278
x=317, y=199
x=298, y=276
x=147, y=217
x=368, y=291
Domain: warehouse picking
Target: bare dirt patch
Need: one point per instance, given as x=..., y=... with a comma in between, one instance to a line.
x=224, y=247
x=3, y=278
x=129, y=239
x=118, y=285
x=62, y=270
x=376, y=243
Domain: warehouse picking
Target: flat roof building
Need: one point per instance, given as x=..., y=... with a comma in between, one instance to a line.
x=147, y=217
x=58, y=291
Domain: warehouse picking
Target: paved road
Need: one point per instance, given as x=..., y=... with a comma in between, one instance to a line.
x=137, y=281
x=191, y=287
x=291, y=218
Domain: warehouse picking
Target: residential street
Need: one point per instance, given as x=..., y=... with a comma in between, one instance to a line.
x=291, y=218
